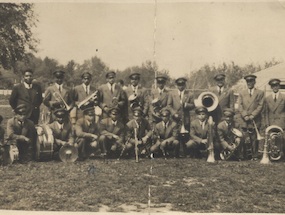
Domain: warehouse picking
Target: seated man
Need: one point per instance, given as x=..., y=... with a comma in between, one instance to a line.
x=86, y=131
x=229, y=138
x=166, y=133
x=112, y=133
x=22, y=133
x=138, y=129
x=199, y=130
x=62, y=131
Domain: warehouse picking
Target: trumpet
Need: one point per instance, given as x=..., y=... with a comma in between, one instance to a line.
x=59, y=98
x=89, y=99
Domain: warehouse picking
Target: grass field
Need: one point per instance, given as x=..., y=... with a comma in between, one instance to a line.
x=190, y=185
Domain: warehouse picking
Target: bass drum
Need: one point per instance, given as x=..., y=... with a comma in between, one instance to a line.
x=45, y=141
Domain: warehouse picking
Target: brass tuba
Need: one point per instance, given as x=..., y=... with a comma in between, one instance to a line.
x=134, y=101
x=208, y=100
x=273, y=145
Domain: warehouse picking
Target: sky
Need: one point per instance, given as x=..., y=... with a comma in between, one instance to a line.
x=180, y=36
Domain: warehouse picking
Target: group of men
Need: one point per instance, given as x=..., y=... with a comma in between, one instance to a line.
x=161, y=122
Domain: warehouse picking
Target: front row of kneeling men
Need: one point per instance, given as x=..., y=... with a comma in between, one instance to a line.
x=112, y=139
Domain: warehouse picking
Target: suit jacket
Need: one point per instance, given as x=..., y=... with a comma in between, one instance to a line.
x=15, y=130
x=251, y=106
x=82, y=128
x=225, y=135
x=49, y=96
x=143, y=130
x=32, y=98
x=143, y=98
x=78, y=95
x=197, y=133
x=107, y=128
x=171, y=130
x=274, y=112
x=66, y=134
x=226, y=100
x=174, y=105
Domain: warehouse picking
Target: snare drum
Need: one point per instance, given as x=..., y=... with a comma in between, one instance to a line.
x=45, y=141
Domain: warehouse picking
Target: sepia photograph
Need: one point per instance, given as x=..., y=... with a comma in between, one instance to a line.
x=142, y=107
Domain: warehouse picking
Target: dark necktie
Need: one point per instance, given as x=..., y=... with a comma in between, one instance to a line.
x=86, y=90
x=250, y=92
x=112, y=88
x=275, y=98
x=59, y=89
x=220, y=91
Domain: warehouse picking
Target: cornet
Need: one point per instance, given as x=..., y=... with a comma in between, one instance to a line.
x=59, y=98
x=89, y=99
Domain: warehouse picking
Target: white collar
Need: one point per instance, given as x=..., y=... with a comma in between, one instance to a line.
x=57, y=85
x=28, y=86
x=220, y=88
x=59, y=125
x=277, y=94
x=252, y=90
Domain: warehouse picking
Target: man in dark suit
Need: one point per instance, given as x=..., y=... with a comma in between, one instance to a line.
x=274, y=110
x=159, y=98
x=86, y=132
x=81, y=92
x=22, y=133
x=51, y=100
x=61, y=130
x=111, y=95
x=225, y=96
x=228, y=141
x=134, y=90
x=112, y=133
x=28, y=93
x=166, y=134
x=251, y=102
x=199, y=131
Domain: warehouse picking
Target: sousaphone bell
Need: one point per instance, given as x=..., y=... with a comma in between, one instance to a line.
x=208, y=100
x=68, y=153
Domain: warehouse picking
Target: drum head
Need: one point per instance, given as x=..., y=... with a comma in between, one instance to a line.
x=68, y=154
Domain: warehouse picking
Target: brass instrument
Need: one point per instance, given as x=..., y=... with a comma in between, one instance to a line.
x=115, y=102
x=183, y=130
x=68, y=153
x=91, y=98
x=227, y=154
x=211, y=157
x=208, y=100
x=273, y=145
x=59, y=98
x=136, y=145
x=258, y=136
x=134, y=101
x=156, y=104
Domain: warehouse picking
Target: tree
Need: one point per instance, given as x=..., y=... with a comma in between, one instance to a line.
x=16, y=38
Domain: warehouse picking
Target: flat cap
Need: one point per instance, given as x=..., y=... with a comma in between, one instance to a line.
x=59, y=73
x=228, y=112
x=181, y=81
x=201, y=109
x=86, y=75
x=219, y=77
x=161, y=79
x=110, y=74
x=250, y=77
x=21, y=109
x=165, y=112
x=274, y=81
x=60, y=113
x=114, y=110
x=137, y=111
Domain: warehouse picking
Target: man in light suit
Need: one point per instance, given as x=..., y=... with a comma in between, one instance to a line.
x=141, y=94
x=161, y=95
x=166, y=134
x=250, y=107
x=112, y=133
x=274, y=110
x=79, y=93
x=51, y=101
x=28, y=93
x=225, y=96
x=111, y=95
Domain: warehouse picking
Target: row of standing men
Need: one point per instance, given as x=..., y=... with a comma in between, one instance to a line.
x=121, y=118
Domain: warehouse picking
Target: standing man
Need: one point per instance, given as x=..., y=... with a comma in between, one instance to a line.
x=52, y=100
x=81, y=92
x=112, y=133
x=275, y=106
x=159, y=99
x=22, y=133
x=250, y=107
x=137, y=96
x=111, y=95
x=225, y=95
x=29, y=94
